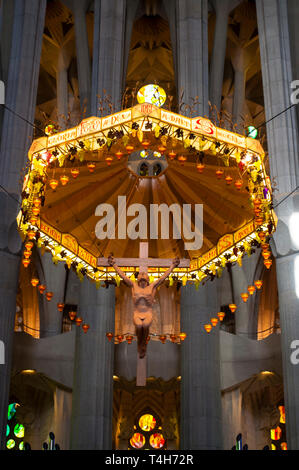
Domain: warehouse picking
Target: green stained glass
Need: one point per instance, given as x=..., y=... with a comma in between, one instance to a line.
x=19, y=431
x=21, y=445
x=11, y=411
x=7, y=430
x=10, y=444
x=252, y=132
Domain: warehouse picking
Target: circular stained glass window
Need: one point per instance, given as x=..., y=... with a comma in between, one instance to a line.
x=21, y=445
x=137, y=440
x=19, y=431
x=147, y=422
x=10, y=444
x=144, y=154
x=157, y=441
x=153, y=94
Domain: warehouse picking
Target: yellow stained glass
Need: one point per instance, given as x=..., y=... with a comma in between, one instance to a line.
x=283, y=446
x=153, y=94
x=282, y=414
x=157, y=441
x=147, y=422
x=137, y=440
x=276, y=434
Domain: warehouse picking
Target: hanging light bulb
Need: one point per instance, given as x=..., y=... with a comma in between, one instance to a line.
x=85, y=327
x=109, y=160
x=64, y=180
x=41, y=288
x=258, y=284
x=183, y=336
x=75, y=172
x=53, y=184
x=60, y=307
x=268, y=263
x=228, y=180
x=119, y=155
x=232, y=307
x=221, y=315
x=251, y=290
x=244, y=296
x=208, y=327
x=239, y=184
x=49, y=296
x=34, y=281
x=214, y=321
x=79, y=320
x=72, y=315
x=91, y=167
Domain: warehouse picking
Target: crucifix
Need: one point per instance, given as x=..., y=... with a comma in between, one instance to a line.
x=143, y=295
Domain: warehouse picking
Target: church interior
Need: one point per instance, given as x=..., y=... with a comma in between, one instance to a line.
x=220, y=370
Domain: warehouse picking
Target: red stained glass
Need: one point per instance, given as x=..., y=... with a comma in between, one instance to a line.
x=157, y=441
x=137, y=440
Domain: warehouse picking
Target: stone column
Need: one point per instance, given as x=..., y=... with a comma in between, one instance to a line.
x=93, y=376
x=282, y=134
x=107, y=69
x=54, y=276
x=83, y=55
x=222, y=9
x=64, y=58
x=192, y=53
x=21, y=89
x=200, y=370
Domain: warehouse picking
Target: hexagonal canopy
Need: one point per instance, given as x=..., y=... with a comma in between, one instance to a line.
x=202, y=164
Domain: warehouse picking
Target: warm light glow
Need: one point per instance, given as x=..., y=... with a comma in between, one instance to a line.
x=137, y=440
x=294, y=228
x=153, y=94
x=147, y=422
x=157, y=441
x=28, y=371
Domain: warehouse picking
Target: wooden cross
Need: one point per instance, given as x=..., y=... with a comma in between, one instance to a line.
x=144, y=262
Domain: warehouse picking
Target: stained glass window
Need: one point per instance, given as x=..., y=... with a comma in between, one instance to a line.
x=10, y=443
x=147, y=433
x=137, y=440
x=153, y=94
x=19, y=430
x=157, y=441
x=147, y=422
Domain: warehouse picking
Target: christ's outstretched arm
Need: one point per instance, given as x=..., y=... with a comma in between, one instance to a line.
x=126, y=280
x=161, y=279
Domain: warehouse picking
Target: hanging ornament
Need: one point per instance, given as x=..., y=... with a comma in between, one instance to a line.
x=268, y=263
x=36, y=211
x=208, y=327
x=72, y=315
x=27, y=254
x=26, y=262
x=49, y=296
x=182, y=159
x=109, y=160
x=64, y=180
x=79, y=320
x=214, y=321
x=120, y=338
x=34, y=281
x=219, y=173
x=31, y=234
x=162, y=339
x=33, y=220
x=109, y=336
x=183, y=336
x=221, y=315
x=53, y=184
x=173, y=338
x=251, y=290
x=37, y=202
x=60, y=307
x=145, y=144
x=41, y=288
x=91, y=167
x=244, y=296
x=85, y=327
x=172, y=155
x=75, y=172
x=232, y=307
x=266, y=254
x=200, y=167
x=129, y=339
x=228, y=180
x=258, y=284
x=239, y=184
x=129, y=149
x=119, y=155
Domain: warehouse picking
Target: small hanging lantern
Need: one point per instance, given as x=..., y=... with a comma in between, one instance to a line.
x=268, y=263
x=53, y=184
x=41, y=288
x=29, y=246
x=120, y=338
x=49, y=296
x=31, y=234
x=219, y=173
x=258, y=284
x=262, y=235
x=182, y=159
x=129, y=149
x=75, y=172
x=251, y=290
x=238, y=184
x=109, y=160
x=162, y=338
x=146, y=144
x=259, y=220
x=232, y=307
x=119, y=155
x=129, y=339
x=33, y=220
x=72, y=315
x=34, y=281
x=26, y=262
x=27, y=254
x=208, y=327
x=183, y=336
x=37, y=202
x=35, y=211
x=244, y=296
x=200, y=167
x=60, y=307
x=265, y=246
x=79, y=320
x=266, y=254
x=257, y=202
x=173, y=338
x=64, y=180
x=172, y=155
x=161, y=149
x=228, y=180
x=85, y=327
x=221, y=315
x=109, y=336
x=91, y=167
x=214, y=321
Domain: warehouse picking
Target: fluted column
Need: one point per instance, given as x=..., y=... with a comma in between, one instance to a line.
x=21, y=89
x=192, y=53
x=200, y=370
x=64, y=58
x=93, y=376
x=108, y=51
x=282, y=134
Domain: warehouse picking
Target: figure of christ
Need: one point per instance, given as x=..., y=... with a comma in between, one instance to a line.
x=143, y=293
